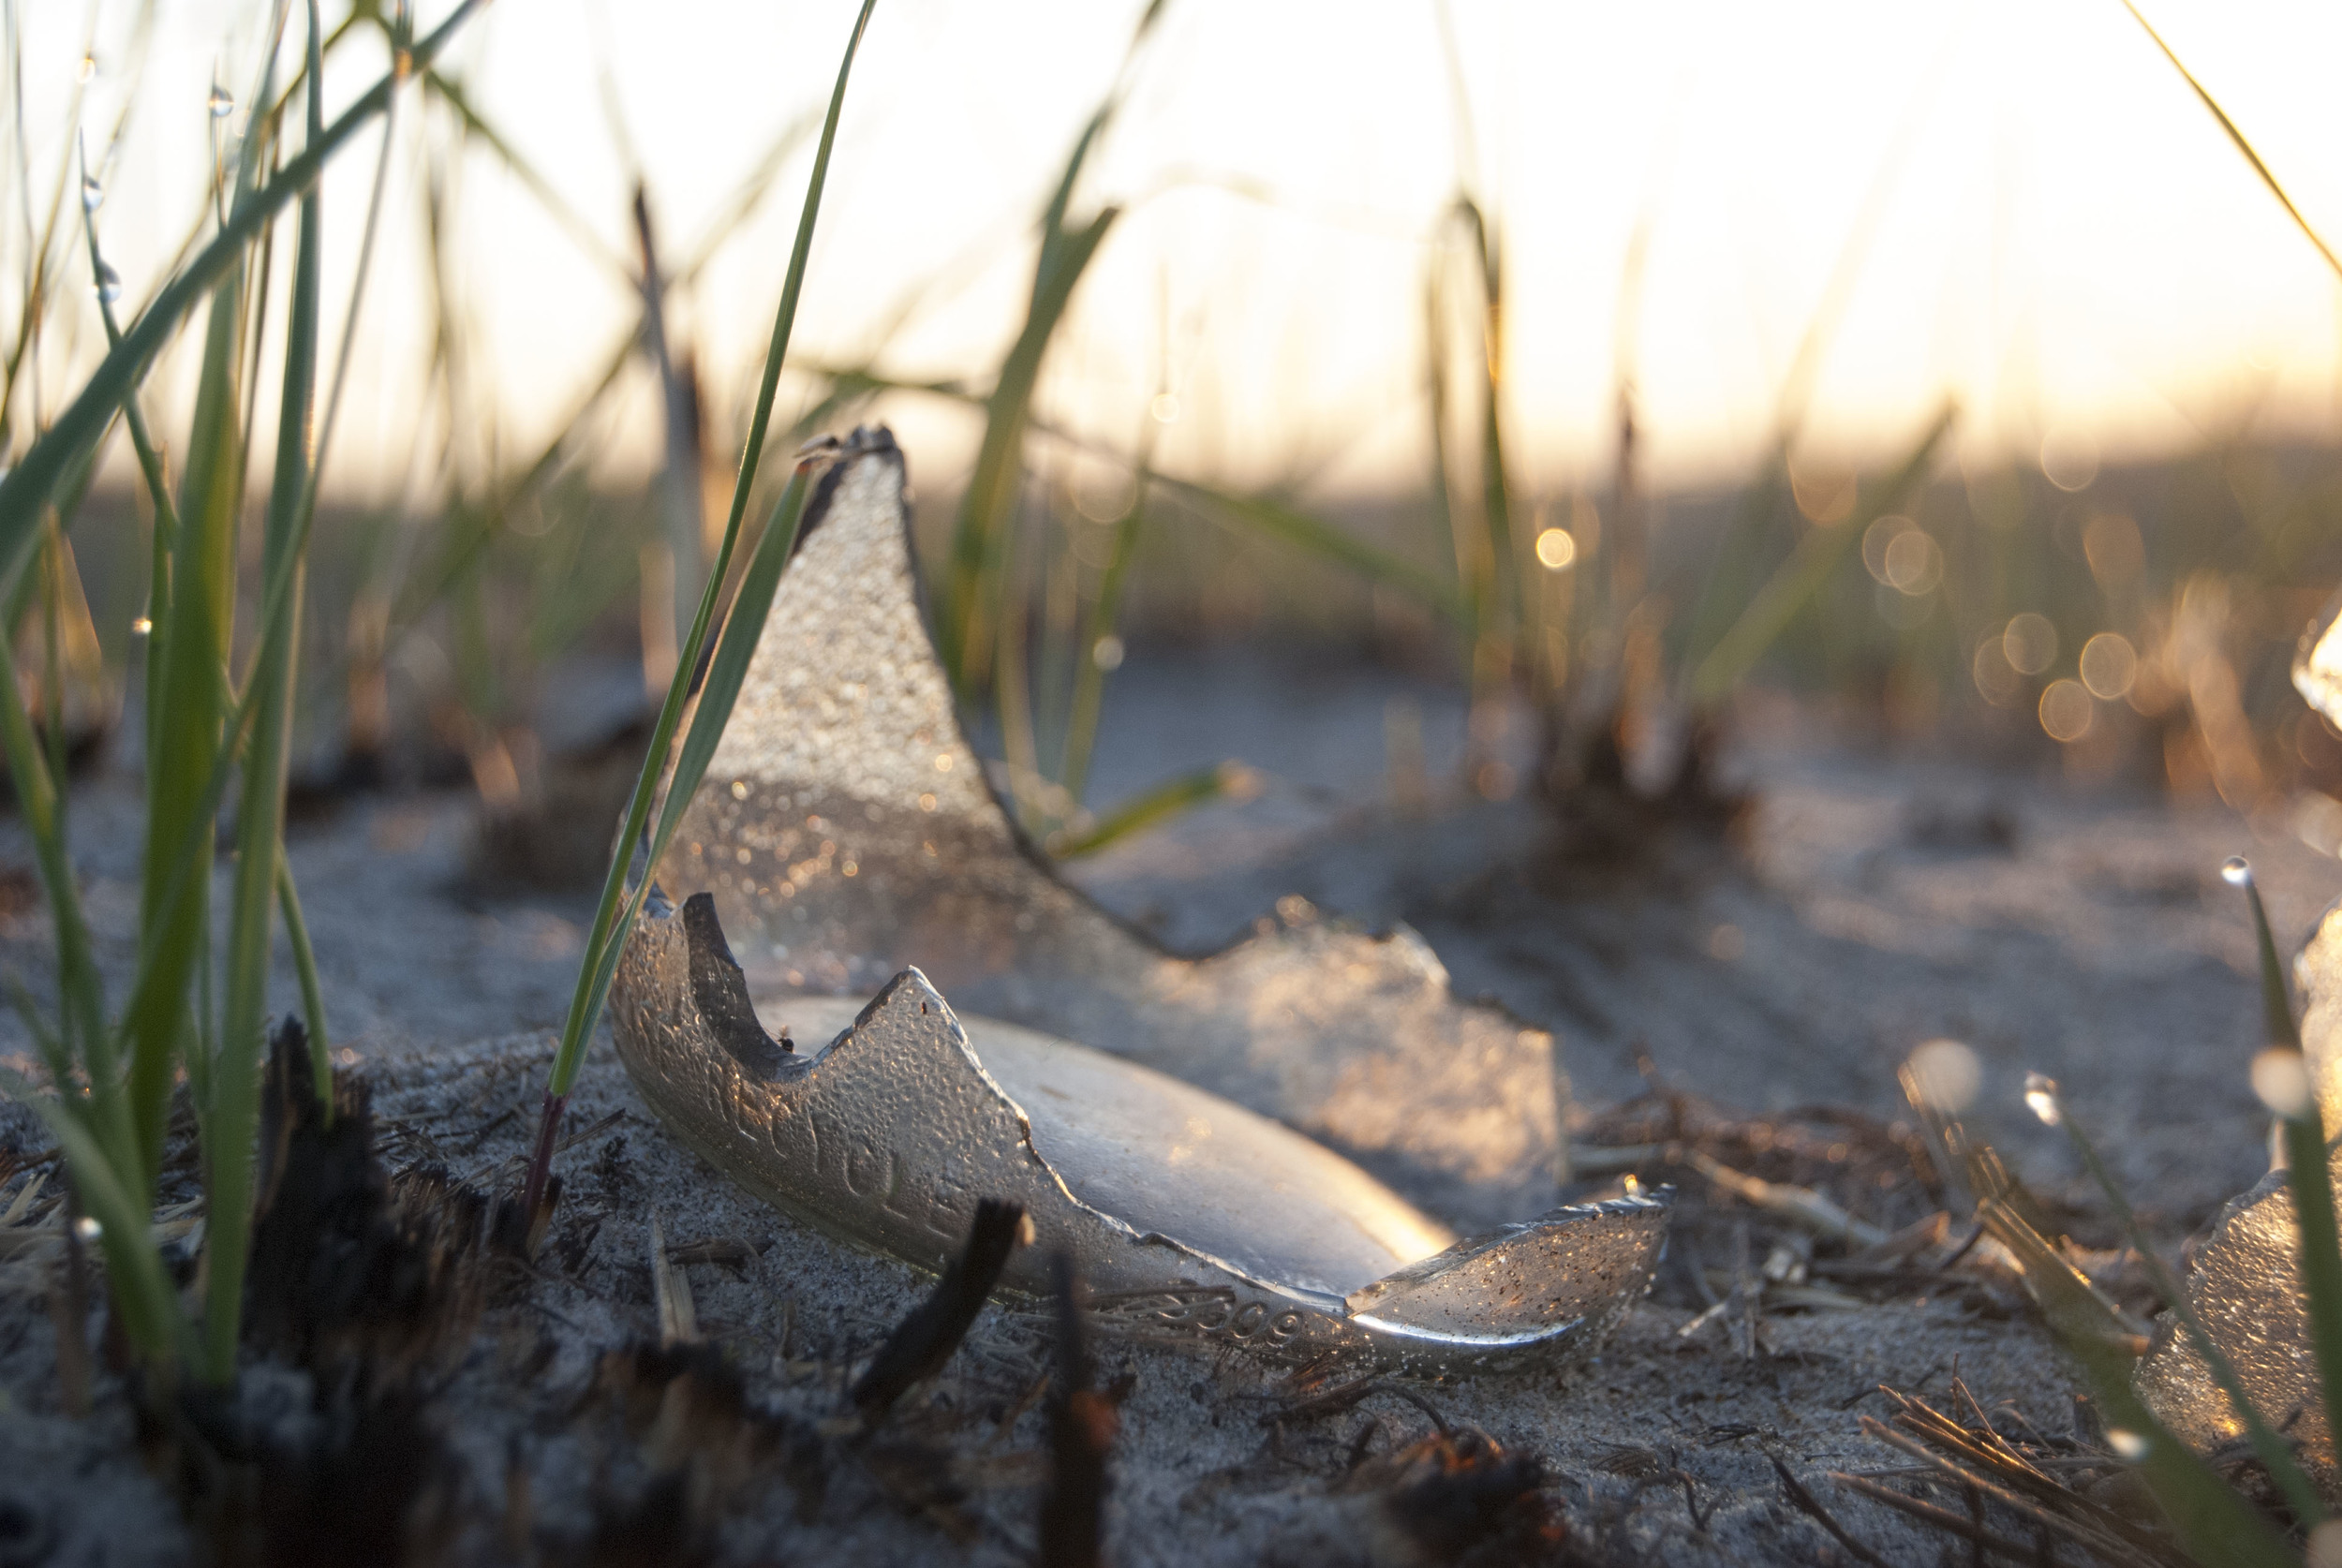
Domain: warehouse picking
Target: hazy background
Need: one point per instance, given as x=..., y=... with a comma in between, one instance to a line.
x=2022, y=204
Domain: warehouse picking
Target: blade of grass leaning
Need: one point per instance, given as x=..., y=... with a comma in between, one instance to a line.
x=2216, y=1524
x=142, y=1290
x=977, y=562
x=81, y=989
x=166, y=528
x=260, y=815
x=1793, y=586
x=1169, y=799
x=608, y=932
x=461, y=553
x=2236, y=137
x=1090, y=675
x=973, y=568
x=26, y=486
x=200, y=629
x=312, y=992
x=1278, y=520
x=2269, y=1446
x=2307, y=1153
x=1496, y=507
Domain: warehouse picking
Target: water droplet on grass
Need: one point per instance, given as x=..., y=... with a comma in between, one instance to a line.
x=88, y=1229
x=2041, y=1098
x=108, y=283
x=86, y=69
x=2236, y=871
x=141, y=626
x=222, y=102
x=2128, y=1445
x=93, y=193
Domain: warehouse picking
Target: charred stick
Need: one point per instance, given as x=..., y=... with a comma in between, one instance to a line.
x=924, y=1339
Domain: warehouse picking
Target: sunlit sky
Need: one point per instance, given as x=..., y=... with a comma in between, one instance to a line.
x=2033, y=213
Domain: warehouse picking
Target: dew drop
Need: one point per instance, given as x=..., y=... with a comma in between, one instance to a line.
x=108, y=283
x=2236, y=871
x=141, y=627
x=88, y=1229
x=86, y=69
x=93, y=193
x=2128, y=1445
x=2041, y=1098
x=739, y=789
x=222, y=102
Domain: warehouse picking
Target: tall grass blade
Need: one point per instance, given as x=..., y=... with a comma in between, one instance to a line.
x=2237, y=138
x=2310, y=1174
x=1172, y=798
x=2272, y=1449
x=1807, y=570
x=608, y=932
x=201, y=624
x=975, y=566
x=2214, y=1522
x=260, y=817
x=26, y=487
x=1089, y=675
x=141, y=1290
x=1320, y=538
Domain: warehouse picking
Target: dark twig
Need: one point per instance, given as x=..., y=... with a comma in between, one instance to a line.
x=924, y=1339
x=1082, y=1425
x=1811, y=1507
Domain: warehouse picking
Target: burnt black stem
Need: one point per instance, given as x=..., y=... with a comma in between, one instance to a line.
x=541, y=1160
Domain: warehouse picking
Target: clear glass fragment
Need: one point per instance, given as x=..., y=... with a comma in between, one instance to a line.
x=2245, y=1284
x=845, y=833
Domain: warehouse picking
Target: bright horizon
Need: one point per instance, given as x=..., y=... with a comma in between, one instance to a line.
x=2061, y=238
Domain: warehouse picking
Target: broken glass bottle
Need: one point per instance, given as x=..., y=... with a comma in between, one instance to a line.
x=845, y=833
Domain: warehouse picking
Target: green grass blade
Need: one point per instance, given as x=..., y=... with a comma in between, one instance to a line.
x=312, y=993
x=721, y=687
x=26, y=487
x=2236, y=138
x=151, y=471
x=1296, y=528
x=141, y=1288
x=1169, y=799
x=601, y=945
x=2272, y=1450
x=2216, y=1524
x=260, y=817
x=81, y=989
x=1090, y=676
x=2309, y=1174
x=972, y=575
x=1809, y=566
x=478, y=129
x=201, y=623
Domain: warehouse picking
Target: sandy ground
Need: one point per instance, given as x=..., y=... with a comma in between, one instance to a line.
x=1868, y=906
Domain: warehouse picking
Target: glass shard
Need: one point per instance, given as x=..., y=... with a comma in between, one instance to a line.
x=845, y=833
